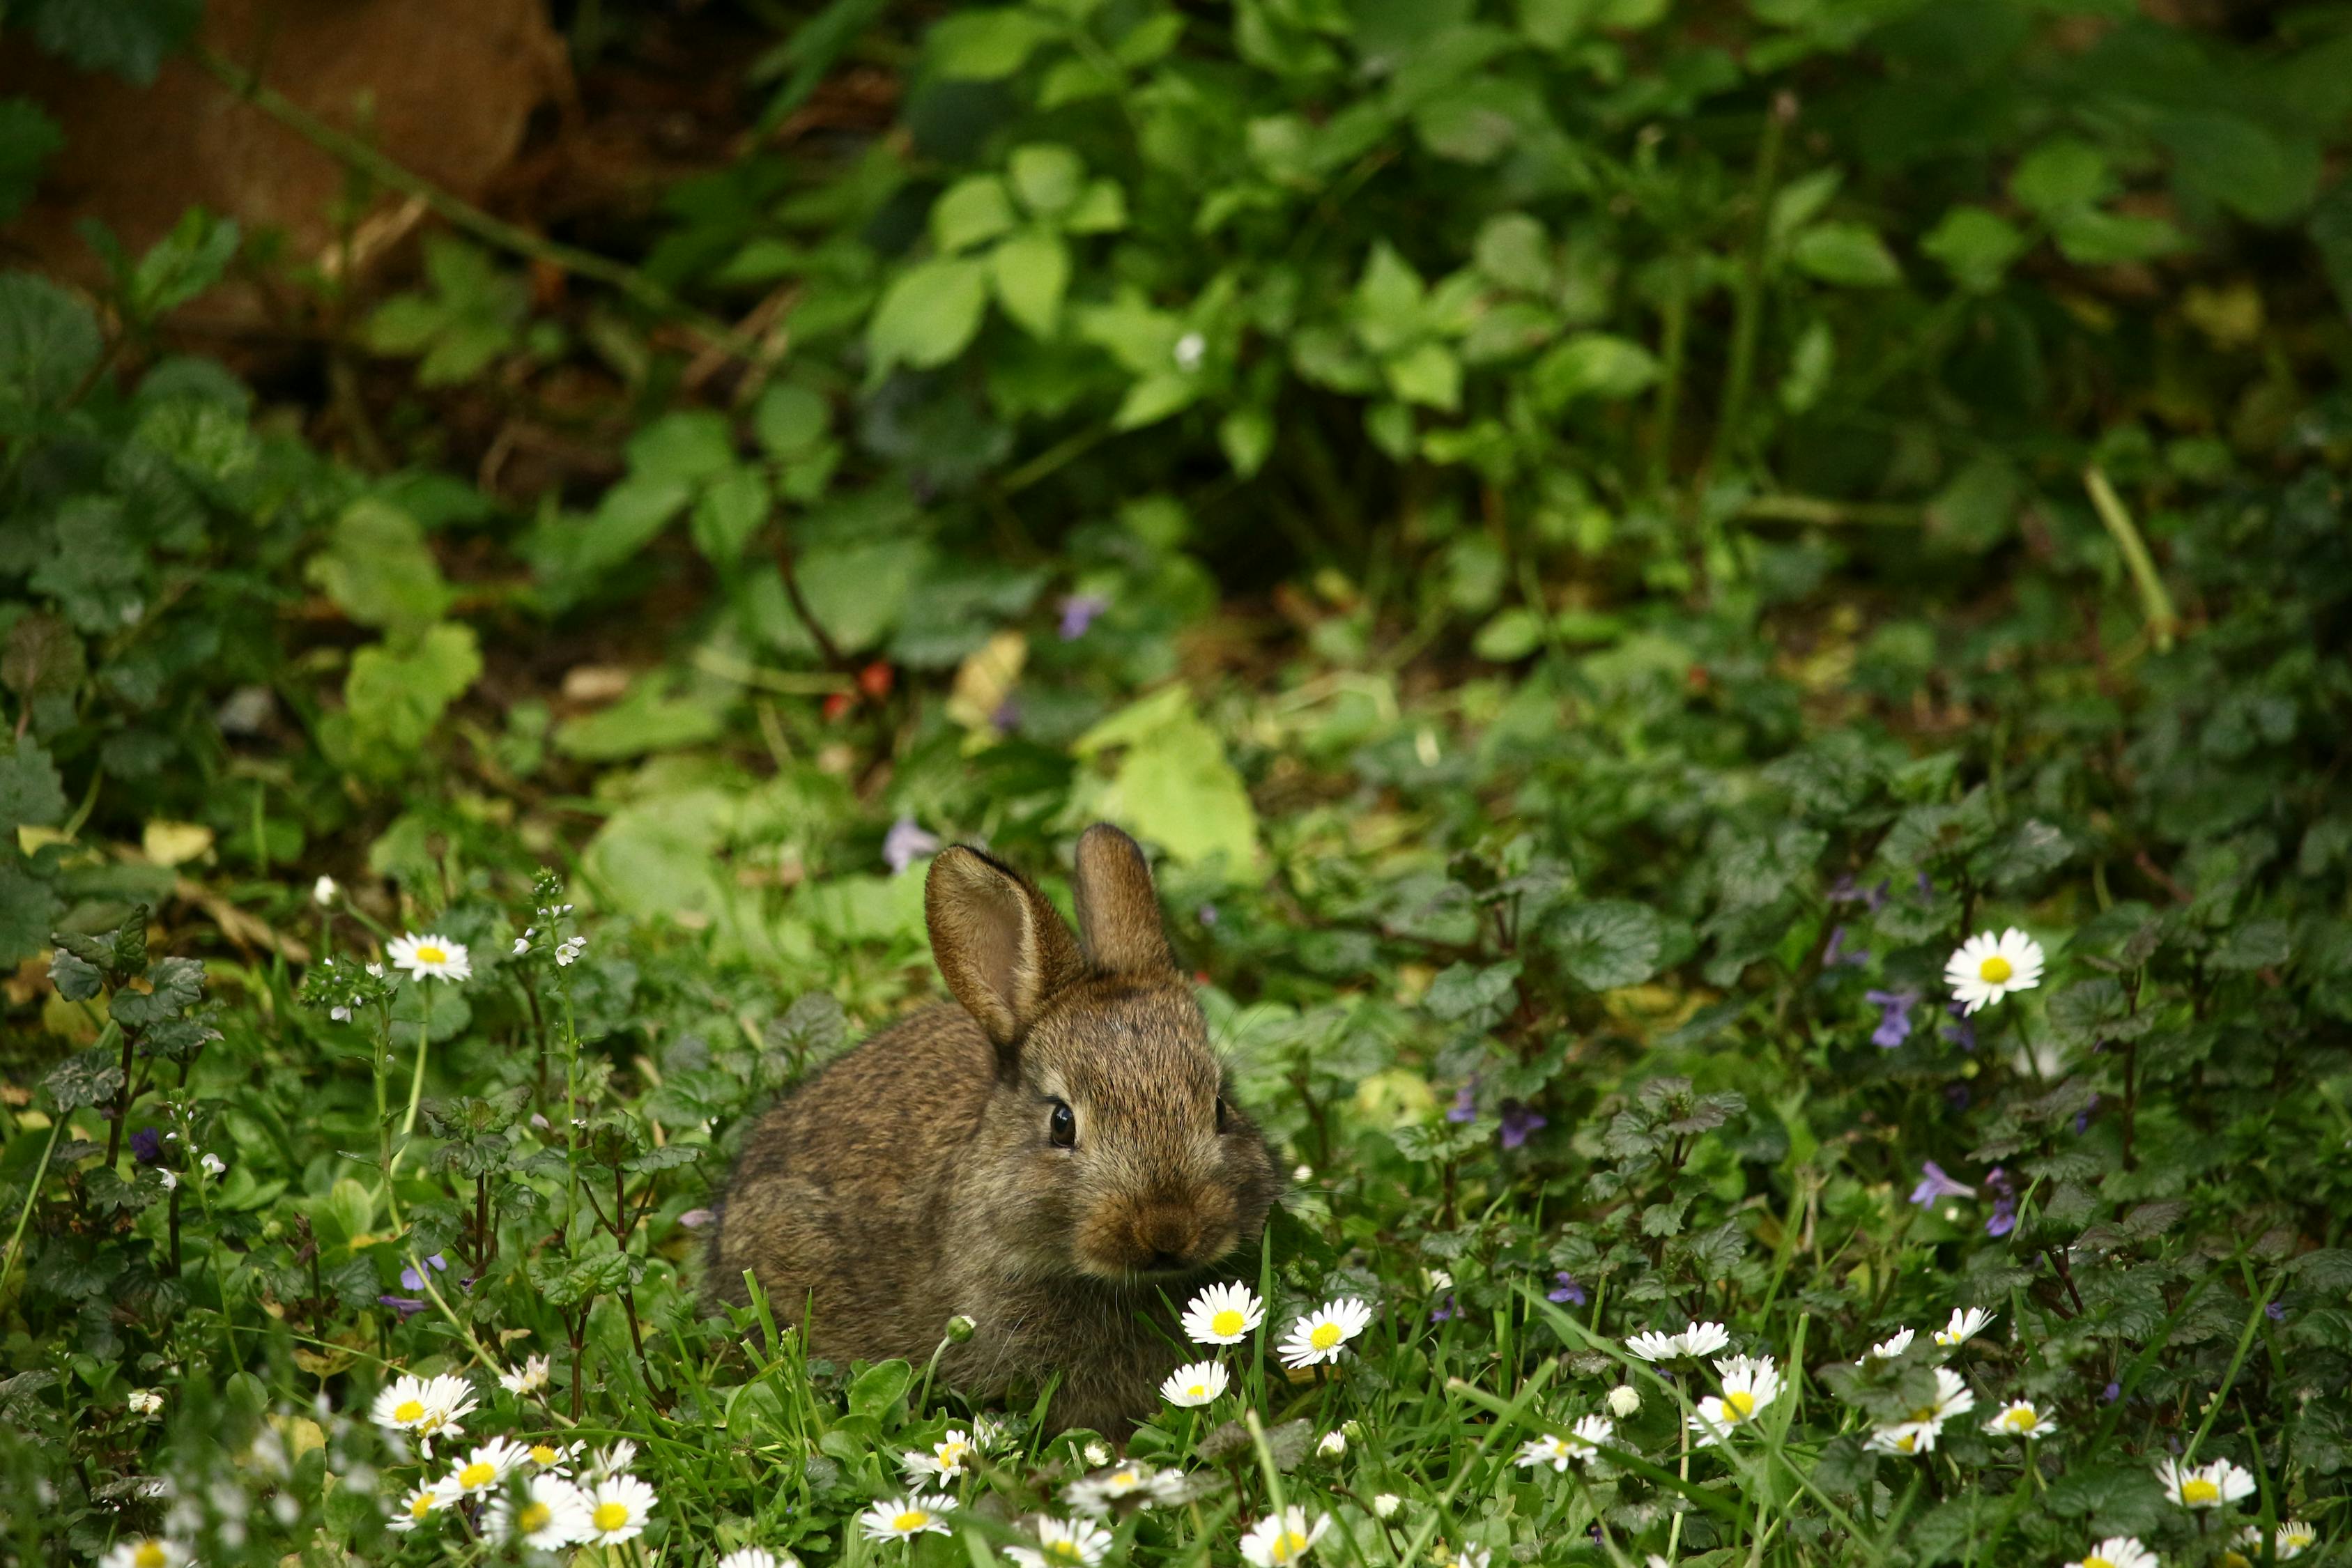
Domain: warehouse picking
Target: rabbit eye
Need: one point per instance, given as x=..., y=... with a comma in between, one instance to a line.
x=1061, y=1127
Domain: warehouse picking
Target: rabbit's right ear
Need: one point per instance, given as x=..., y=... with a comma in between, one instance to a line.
x=1001, y=948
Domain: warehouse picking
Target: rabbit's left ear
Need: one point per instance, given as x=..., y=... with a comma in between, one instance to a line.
x=1118, y=912
x=1001, y=948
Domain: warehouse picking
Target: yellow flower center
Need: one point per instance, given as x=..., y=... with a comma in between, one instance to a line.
x=1324, y=1336
x=1067, y=1551
x=913, y=1520
x=611, y=1516
x=1993, y=971
x=1906, y=1443
x=2201, y=1492
x=1740, y=1404
x=1199, y=1391
x=1126, y=1479
x=1289, y=1545
x=2095, y=1560
x=540, y=1454
x=148, y=1555
x=408, y=1410
x=2018, y=1419
x=421, y=1506
x=534, y=1517
x=952, y=1455
x=478, y=1474
x=1228, y=1322
x=435, y=955
x=1925, y=1413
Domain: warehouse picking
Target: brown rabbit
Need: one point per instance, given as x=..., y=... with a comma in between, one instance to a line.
x=1050, y=1156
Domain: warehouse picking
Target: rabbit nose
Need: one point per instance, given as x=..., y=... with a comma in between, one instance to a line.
x=1165, y=1238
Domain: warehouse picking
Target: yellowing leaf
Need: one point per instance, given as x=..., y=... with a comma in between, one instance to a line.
x=175, y=843
x=986, y=678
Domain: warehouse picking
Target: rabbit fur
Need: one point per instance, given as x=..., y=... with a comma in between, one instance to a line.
x=919, y=1176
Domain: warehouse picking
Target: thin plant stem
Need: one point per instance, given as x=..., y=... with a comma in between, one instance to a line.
x=1748, y=310
x=25, y=1213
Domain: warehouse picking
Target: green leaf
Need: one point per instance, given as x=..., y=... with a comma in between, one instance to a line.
x=1154, y=398
x=682, y=449
x=1048, y=177
x=643, y=721
x=1031, y=271
x=1174, y=785
x=379, y=571
x=1509, y=637
x=2244, y=165
x=181, y=265
x=395, y=694
x=2089, y=237
x=1592, y=364
x=1606, y=944
x=1246, y=437
x=985, y=46
x=29, y=140
x=1514, y=250
x=128, y=37
x=1389, y=301
x=1429, y=374
x=873, y=1393
x=790, y=420
x=31, y=794
x=1102, y=209
x=1976, y=246
x=1850, y=255
x=49, y=341
x=2062, y=174
x=28, y=908
x=729, y=512
x=973, y=210
x=927, y=315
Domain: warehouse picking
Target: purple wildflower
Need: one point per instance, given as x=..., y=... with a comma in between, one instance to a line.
x=1466, y=1104
x=694, y=1219
x=2110, y=1394
x=415, y=1281
x=1007, y=717
x=1960, y=1031
x=1206, y=914
x=1566, y=1290
x=1445, y=1312
x=1837, y=953
x=2004, y=1203
x=1078, y=613
x=2083, y=1117
x=906, y=843
x=2276, y=1311
x=406, y=1306
x=1934, y=1185
x=1894, y=1017
x=147, y=1146
x=1926, y=887
x=1519, y=1122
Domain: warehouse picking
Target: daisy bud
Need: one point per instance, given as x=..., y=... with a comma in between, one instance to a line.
x=1097, y=1455
x=323, y=891
x=1386, y=1504
x=1623, y=1401
x=1333, y=1444
x=960, y=1328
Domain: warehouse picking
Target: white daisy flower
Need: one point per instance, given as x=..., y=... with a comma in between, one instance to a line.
x=419, y=1505
x=1385, y=1505
x=554, y=1458
x=1889, y=1348
x=2204, y=1486
x=1097, y=1455
x=1918, y=1435
x=1749, y=1386
x=1967, y=1323
x=1574, y=1447
x=144, y=1401
x=1318, y=1336
x=951, y=1456
x=617, y=1509
x=1195, y=1384
x=145, y=1551
x=1063, y=1543
x=527, y=1378
x=1279, y=1540
x=553, y=1513
x=429, y=1407
x=613, y=1460
x=1698, y=1338
x=488, y=1465
x=903, y=1519
x=757, y=1557
x=2117, y=1552
x=1334, y=1443
x=323, y=891
x=430, y=957
x=1468, y=1557
x=2019, y=1418
x=1093, y=1495
x=1223, y=1314
x=2294, y=1538
x=1987, y=968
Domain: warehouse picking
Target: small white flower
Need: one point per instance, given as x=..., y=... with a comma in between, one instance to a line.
x=1987, y=968
x=430, y=957
x=565, y=953
x=1624, y=1400
x=1195, y=1384
x=1966, y=1324
x=1334, y=1443
x=1576, y=1445
x=1282, y=1539
x=2294, y=1538
x=339, y=1014
x=1749, y=1386
x=522, y=946
x=617, y=1510
x=1191, y=350
x=902, y=1518
x=144, y=1401
x=554, y=1460
x=375, y=971
x=757, y=1557
x=213, y=1164
x=2117, y=1552
x=1320, y=1334
x=2204, y=1486
x=1436, y=1279
x=1302, y=1173
x=1698, y=1338
x=1468, y=1557
x=1133, y=1481
x=170, y=1180
x=553, y=1513
x=613, y=1460
x=1097, y=1455
x=487, y=1466
x=430, y=1407
x=419, y=1505
x=323, y=891
x=1063, y=1543
x=1385, y=1504
x=145, y=1551
x=2019, y=1418
x=1223, y=1314
x=527, y=1378
x=1889, y=1348
x=951, y=1456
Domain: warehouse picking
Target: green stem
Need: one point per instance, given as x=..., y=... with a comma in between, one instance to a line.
x=1748, y=308
x=2156, y=605
x=1670, y=384
x=25, y=1215
x=416, y=1082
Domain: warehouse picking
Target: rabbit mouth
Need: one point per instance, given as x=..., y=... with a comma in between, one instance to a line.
x=1157, y=1243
